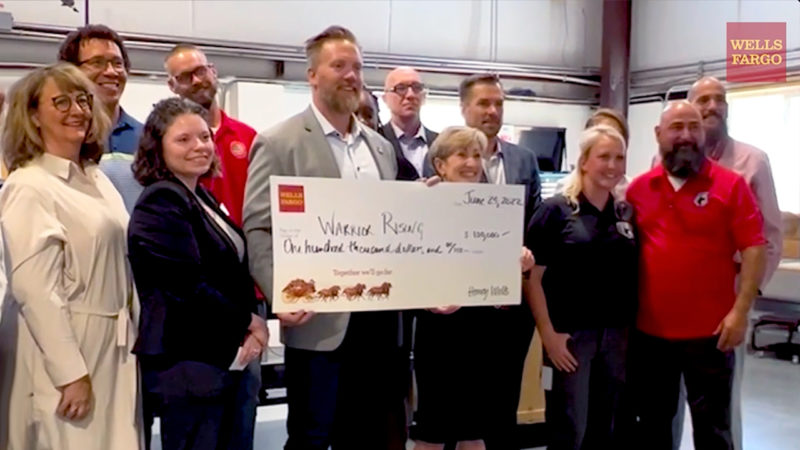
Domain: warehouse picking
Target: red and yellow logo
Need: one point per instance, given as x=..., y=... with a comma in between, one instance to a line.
x=291, y=198
x=756, y=52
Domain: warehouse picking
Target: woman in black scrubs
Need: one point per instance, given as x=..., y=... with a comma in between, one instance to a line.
x=453, y=359
x=583, y=293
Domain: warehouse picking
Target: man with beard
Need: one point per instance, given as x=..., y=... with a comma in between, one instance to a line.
x=708, y=95
x=100, y=54
x=341, y=368
x=693, y=217
x=192, y=76
x=404, y=94
x=482, y=101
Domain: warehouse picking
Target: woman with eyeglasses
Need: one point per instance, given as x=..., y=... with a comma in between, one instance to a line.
x=67, y=378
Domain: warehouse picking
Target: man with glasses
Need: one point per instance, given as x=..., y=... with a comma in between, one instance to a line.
x=100, y=54
x=192, y=76
x=404, y=94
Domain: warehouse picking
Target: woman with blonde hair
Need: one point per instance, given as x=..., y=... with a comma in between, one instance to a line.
x=68, y=379
x=446, y=340
x=583, y=293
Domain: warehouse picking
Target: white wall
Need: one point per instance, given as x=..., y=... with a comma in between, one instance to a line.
x=548, y=32
x=263, y=105
x=668, y=32
x=642, y=119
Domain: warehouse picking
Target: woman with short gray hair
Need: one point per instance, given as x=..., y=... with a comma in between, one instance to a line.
x=446, y=341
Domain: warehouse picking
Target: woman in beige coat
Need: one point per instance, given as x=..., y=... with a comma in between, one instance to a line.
x=67, y=378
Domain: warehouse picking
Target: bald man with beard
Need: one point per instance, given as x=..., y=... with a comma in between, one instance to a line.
x=709, y=96
x=693, y=216
x=404, y=94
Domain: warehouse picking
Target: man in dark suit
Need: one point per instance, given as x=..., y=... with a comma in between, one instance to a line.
x=482, y=100
x=404, y=94
x=339, y=366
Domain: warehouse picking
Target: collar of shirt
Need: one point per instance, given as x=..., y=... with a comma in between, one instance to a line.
x=58, y=166
x=401, y=134
x=328, y=129
x=125, y=121
x=224, y=123
x=498, y=154
x=661, y=174
x=587, y=207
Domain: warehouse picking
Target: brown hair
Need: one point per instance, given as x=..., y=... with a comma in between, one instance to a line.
x=612, y=114
x=314, y=44
x=71, y=46
x=149, y=165
x=467, y=83
x=22, y=140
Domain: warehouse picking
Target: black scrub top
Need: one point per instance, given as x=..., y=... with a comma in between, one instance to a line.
x=591, y=260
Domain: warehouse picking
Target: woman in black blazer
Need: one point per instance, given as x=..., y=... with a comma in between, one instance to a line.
x=198, y=304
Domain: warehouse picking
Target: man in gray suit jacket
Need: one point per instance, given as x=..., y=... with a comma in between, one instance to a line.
x=482, y=101
x=339, y=366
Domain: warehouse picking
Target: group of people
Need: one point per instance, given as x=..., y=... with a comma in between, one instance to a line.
x=139, y=261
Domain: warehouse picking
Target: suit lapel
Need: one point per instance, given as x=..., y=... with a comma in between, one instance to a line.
x=380, y=157
x=318, y=144
x=511, y=162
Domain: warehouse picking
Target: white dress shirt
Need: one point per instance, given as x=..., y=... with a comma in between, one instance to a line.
x=494, y=168
x=351, y=152
x=415, y=148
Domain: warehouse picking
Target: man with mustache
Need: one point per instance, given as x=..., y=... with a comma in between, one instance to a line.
x=192, y=76
x=693, y=216
x=100, y=54
x=340, y=367
x=404, y=94
x=482, y=100
x=708, y=95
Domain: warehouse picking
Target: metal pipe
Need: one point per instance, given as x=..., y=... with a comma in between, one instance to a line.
x=372, y=59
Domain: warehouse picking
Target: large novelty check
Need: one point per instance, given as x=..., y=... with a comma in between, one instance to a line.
x=346, y=245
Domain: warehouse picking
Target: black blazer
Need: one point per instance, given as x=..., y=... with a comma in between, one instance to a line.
x=196, y=296
x=405, y=170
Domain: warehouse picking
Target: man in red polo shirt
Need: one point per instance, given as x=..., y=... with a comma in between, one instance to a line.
x=693, y=216
x=192, y=76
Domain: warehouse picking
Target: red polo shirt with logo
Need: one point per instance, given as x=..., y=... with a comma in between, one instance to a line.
x=688, y=239
x=232, y=141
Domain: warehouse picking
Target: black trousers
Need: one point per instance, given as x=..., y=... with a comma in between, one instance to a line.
x=655, y=372
x=513, y=328
x=582, y=406
x=197, y=403
x=350, y=398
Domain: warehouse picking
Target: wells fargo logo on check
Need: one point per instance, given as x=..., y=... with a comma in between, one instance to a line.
x=756, y=52
x=291, y=198
x=364, y=245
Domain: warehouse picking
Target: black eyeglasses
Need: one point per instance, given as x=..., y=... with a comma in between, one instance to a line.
x=199, y=72
x=99, y=63
x=401, y=88
x=63, y=102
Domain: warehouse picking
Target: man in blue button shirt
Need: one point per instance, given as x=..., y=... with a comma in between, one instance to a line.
x=99, y=52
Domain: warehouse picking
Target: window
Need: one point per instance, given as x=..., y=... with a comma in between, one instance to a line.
x=770, y=120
